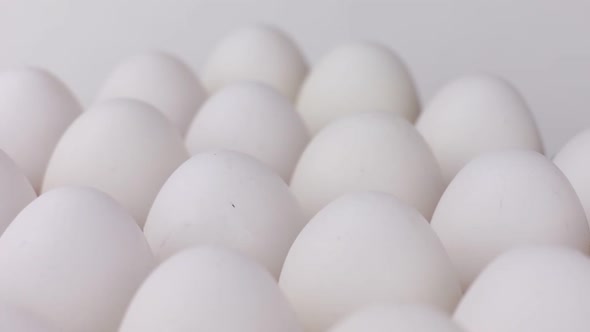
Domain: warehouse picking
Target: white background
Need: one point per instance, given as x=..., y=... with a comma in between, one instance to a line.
x=542, y=46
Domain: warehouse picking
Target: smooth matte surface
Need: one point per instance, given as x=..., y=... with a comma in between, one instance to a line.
x=15, y=191
x=260, y=53
x=229, y=199
x=537, y=44
x=377, y=151
x=474, y=115
x=75, y=259
x=398, y=318
x=35, y=110
x=123, y=147
x=161, y=80
x=532, y=289
x=209, y=289
x=353, y=78
x=361, y=249
x=254, y=119
x=574, y=161
x=506, y=199
x=16, y=319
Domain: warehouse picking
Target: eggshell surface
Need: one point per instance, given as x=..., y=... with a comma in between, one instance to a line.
x=574, y=161
x=229, y=199
x=506, y=199
x=254, y=119
x=473, y=115
x=368, y=151
x=357, y=77
x=123, y=147
x=362, y=249
x=161, y=80
x=540, y=289
x=209, y=289
x=35, y=109
x=14, y=319
x=15, y=191
x=400, y=318
x=260, y=53
x=74, y=257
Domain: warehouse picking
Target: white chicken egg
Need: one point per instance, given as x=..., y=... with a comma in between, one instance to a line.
x=362, y=249
x=209, y=289
x=225, y=198
x=505, y=199
x=398, y=318
x=160, y=80
x=123, y=147
x=534, y=289
x=473, y=115
x=574, y=161
x=254, y=119
x=35, y=109
x=15, y=191
x=368, y=151
x=74, y=257
x=260, y=53
x=357, y=77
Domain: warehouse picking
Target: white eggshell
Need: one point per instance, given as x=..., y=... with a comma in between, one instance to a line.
x=535, y=289
x=574, y=161
x=357, y=77
x=254, y=119
x=225, y=198
x=260, y=53
x=15, y=191
x=35, y=109
x=399, y=318
x=505, y=199
x=123, y=147
x=74, y=257
x=160, y=80
x=362, y=249
x=368, y=151
x=209, y=289
x=15, y=319
x=473, y=115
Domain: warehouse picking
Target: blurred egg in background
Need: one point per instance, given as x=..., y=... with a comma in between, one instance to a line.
x=35, y=110
x=438, y=40
x=254, y=119
x=161, y=80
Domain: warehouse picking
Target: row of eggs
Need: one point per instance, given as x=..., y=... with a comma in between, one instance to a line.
x=76, y=256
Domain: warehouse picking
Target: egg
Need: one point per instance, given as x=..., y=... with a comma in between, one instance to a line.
x=473, y=115
x=14, y=319
x=368, y=151
x=366, y=248
x=15, y=191
x=573, y=161
x=229, y=199
x=74, y=257
x=161, y=80
x=254, y=119
x=357, y=77
x=260, y=53
x=209, y=289
x=540, y=289
x=399, y=318
x=35, y=109
x=123, y=147
x=505, y=199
